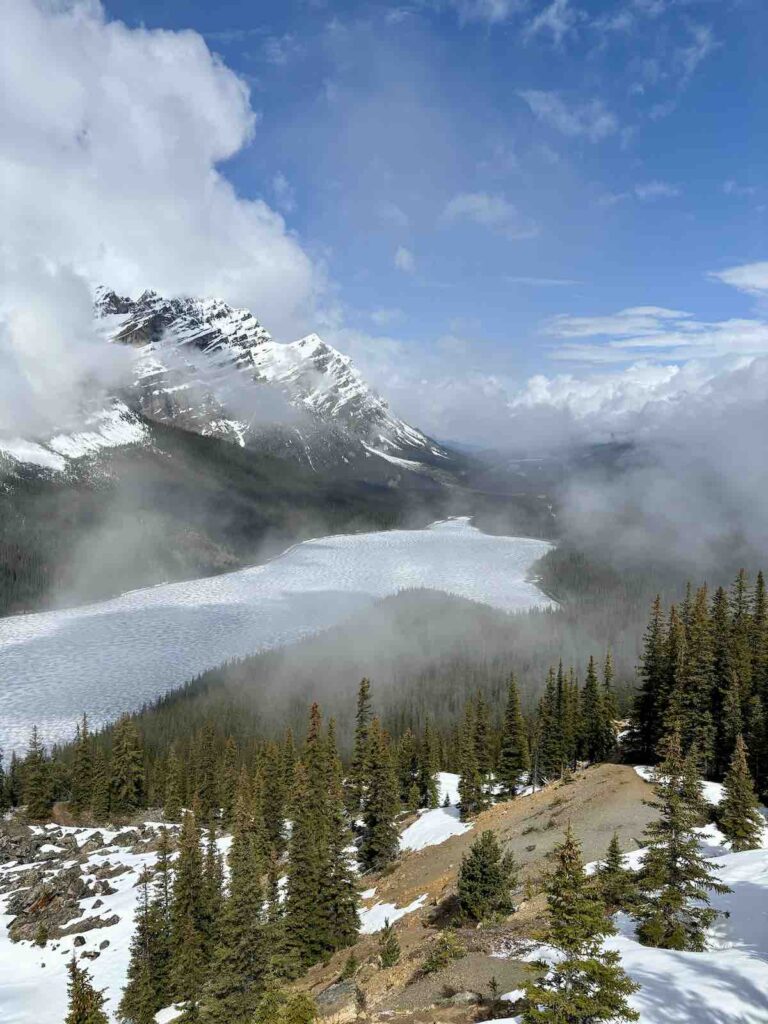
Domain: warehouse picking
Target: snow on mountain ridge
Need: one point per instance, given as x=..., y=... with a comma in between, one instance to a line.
x=216, y=353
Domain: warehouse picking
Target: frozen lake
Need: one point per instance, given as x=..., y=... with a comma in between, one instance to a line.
x=112, y=657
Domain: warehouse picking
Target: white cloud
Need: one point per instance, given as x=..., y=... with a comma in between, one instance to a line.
x=111, y=141
x=405, y=260
x=591, y=119
x=751, y=278
x=491, y=11
x=701, y=45
x=490, y=211
x=734, y=188
x=285, y=197
x=558, y=19
x=280, y=50
x=543, y=282
x=649, y=331
x=656, y=190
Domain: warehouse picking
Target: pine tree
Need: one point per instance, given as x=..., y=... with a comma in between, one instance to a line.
x=472, y=798
x=140, y=999
x=206, y=777
x=514, y=760
x=81, y=786
x=38, y=785
x=173, y=803
x=738, y=816
x=483, y=738
x=673, y=908
x=428, y=768
x=340, y=885
x=227, y=782
x=609, y=696
x=188, y=914
x=271, y=1004
x=486, y=879
x=127, y=768
x=275, y=794
x=550, y=754
x=85, y=1002
x=389, y=946
x=100, y=787
x=597, y=737
x=304, y=923
x=586, y=985
x=240, y=960
x=379, y=842
x=358, y=771
x=616, y=882
x=213, y=893
x=646, y=713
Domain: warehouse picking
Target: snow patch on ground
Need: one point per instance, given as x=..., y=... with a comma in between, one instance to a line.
x=432, y=828
x=112, y=657
x=711, y=791
x=727, y=984
x=373, y=919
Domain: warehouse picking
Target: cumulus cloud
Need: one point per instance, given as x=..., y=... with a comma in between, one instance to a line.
x=490, y=211
x=592, y=119
x=112, y=141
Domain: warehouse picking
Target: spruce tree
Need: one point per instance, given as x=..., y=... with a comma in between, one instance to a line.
x=340, y=884
x=379, y=841
x=227, y=782
x=85, y=1002
x=550, y=753
x=304, y=922
x=486, y=880
x=81, y=787
x=188, y=914
x=609, y=696
x=213, y=893
x=127, y=768
x=100, y=795
x=597, y=737
x=358, y=771
x=428, y=768
x=206, y=777
x=673, y=906
x=586, y=984
x=174, y=795
x=141, y=996
x=483, y=738
x=472, y=798
x=38, y=784
x=646, y=723
x=514, y=759
x=738, y=816
x=389, y=946
x=615, y=881
x=240, y=959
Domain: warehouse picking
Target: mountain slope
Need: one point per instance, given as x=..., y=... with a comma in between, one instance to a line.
x=206, y=366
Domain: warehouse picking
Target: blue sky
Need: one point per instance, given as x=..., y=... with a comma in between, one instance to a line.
x=550, y=210
x=466, y=170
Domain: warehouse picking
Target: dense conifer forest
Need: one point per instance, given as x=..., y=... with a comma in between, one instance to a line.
x=302, y=804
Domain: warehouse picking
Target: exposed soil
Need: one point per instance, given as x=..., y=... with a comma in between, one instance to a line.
x=599, y=801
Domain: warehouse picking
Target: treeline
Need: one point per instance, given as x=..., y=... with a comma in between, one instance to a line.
x=225, y=952
x=704, y=672
x=117, y=772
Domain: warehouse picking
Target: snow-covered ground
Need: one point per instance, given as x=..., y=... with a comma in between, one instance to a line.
x=112, y=657
x=433, y=827
x=727, y=984
x=373, y=919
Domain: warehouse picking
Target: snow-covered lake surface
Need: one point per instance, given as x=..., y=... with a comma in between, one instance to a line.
x=114, y=656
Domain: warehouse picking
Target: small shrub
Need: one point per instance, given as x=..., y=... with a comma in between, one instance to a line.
x=447, y=949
